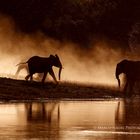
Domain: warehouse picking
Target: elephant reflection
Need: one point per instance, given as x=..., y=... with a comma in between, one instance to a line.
x=42, y=120
x=43, y=112
x=44, y=65
x=128, y=114
x=131, y=69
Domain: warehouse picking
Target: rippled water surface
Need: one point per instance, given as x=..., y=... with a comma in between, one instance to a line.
x=71, y=120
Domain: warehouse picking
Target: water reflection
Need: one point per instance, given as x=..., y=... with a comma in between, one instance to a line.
x=42, y=112
x=71, y=120
x=42, y=119
x=130, y=109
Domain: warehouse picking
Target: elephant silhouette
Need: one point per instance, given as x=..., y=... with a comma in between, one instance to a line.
x=131, y=70
x=37, y=64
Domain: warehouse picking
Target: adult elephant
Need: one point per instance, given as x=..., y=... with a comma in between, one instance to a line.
x=44, y=65
x=131, y=69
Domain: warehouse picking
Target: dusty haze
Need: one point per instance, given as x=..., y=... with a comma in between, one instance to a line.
x=93, y=65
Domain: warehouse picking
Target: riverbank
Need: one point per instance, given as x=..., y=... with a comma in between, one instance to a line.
x=11, y=89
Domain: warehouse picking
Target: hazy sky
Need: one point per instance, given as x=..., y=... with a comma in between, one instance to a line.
x=21, y=23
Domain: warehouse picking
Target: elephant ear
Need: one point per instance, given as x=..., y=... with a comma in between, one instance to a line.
x=56, y=56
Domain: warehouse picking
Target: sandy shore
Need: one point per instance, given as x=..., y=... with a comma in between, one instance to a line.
x=11, y=89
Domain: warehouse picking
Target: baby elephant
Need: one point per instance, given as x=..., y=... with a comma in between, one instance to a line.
x=44, y=65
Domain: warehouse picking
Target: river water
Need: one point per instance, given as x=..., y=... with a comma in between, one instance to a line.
x=71, y=120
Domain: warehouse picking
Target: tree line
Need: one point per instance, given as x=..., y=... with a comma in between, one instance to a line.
x=75, y=20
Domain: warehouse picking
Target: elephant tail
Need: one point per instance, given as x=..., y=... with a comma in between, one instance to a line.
x=21, y=63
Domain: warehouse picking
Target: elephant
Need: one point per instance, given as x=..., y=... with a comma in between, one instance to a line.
x=37, y=64
x=131, y=69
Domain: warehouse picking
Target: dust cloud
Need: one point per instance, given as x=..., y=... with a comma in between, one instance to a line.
x=93, y=65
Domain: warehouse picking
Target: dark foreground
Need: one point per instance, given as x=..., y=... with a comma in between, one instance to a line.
x=11, y=89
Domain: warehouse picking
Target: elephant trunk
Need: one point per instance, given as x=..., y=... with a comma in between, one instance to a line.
x=117, y=76
x=59, y=74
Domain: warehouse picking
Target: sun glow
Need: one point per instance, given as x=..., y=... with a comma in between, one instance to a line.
x=85, y=70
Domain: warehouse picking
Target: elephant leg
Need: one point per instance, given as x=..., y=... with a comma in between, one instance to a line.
x=29, y=76
x=53, y=75
x=44, y=77
x=125, y=87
